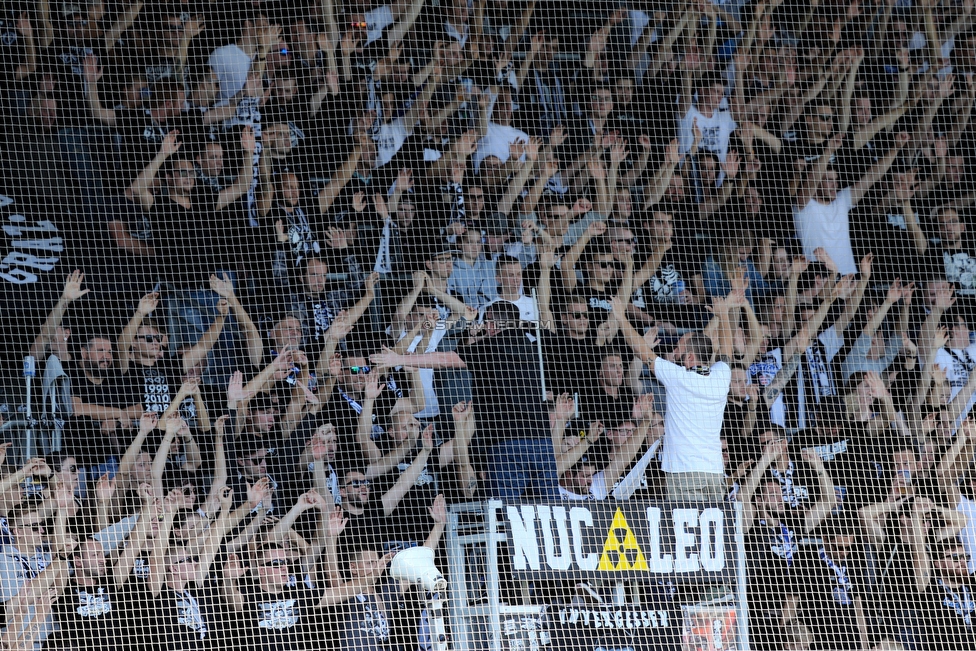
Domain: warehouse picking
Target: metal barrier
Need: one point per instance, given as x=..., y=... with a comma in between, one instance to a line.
x=670, y=574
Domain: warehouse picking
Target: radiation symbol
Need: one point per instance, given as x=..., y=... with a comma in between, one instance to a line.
x=620, y=550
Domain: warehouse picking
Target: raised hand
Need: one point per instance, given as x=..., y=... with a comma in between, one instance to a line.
x=821, y=254
x=225, y=498
x=428, y=438
x=171, y=143
x=438, y=510
x=148, y=303
x=72, y=287
x=105, y=488
x=235, y=389
x=564, y=408
x=223, y=287
x=336, y=523
x=259, y=493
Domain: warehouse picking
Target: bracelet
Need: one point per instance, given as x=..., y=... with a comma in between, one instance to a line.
x=264, y=58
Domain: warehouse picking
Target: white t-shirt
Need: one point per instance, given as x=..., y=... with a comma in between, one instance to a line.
x=389, y=139
x=431, y=407
x=496, y=143
x=827, y=225
x=715, y=130
x=958, y=366
x=693, y=422
x=376, y=21
x=968, y=535
x=231, y=65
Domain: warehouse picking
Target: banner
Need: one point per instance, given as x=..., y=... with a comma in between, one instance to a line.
x=31, y=251
x=680, y=542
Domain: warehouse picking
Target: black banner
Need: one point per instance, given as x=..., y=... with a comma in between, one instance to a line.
x=680, y=542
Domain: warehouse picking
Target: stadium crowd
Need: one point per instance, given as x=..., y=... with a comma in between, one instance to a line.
x=342, y=264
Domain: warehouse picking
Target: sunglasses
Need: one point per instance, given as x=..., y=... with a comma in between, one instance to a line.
x=604, y=265
x=183, y=174
x=356, y=483
x=188, y=559
x=277, y=562
x=579, y=315
x=153, y=338
x=360, y=370
x=954, y=557
x=37, y=527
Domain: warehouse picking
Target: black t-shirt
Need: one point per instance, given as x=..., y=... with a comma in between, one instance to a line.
x=64, y=60
x=957, y=266
x=827, y=598
x=96, y=618
x=157, y=384
x=772, y=555
x=84, y=437
x=115, y=390
x=506, y=387
x=950, y=617
x=849, y=462
x=883, y=231
x=568, y=362
x=286, y=257
x=367, y=530
x=142, y=136
x=275, y=622
x=195, y=237
x=413, y=522
x=346, y=409
x=598, y=405
x=189, y=620
x=669, y=280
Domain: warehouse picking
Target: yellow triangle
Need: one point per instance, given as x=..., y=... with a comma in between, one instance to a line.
x=613, y=546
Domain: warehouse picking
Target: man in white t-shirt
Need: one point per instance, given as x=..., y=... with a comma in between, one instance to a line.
x=958, y=357
x=697, y=392
x=714, y=121
x=392, y=133
x=821, y=212
x=232, y=63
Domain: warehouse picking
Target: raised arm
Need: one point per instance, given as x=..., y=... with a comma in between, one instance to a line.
x=342, y=176
x=643, y=347
x=147, y=304
x=405, y=22
x=236, y=190
x=407, y=478
x=815, y=173
x=141, y=188
x=92, y=73
x=658, y=185
x=773, y=450
x=820, y=511
x=878, y=170
x=72, y=292
x=124, y=21
x=568, y=266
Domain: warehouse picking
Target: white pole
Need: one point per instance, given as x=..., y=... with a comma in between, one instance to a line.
x=30, y=370
x=538, y=342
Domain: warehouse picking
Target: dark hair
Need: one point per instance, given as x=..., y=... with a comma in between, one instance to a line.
x=701, y=345
x=502, y=311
